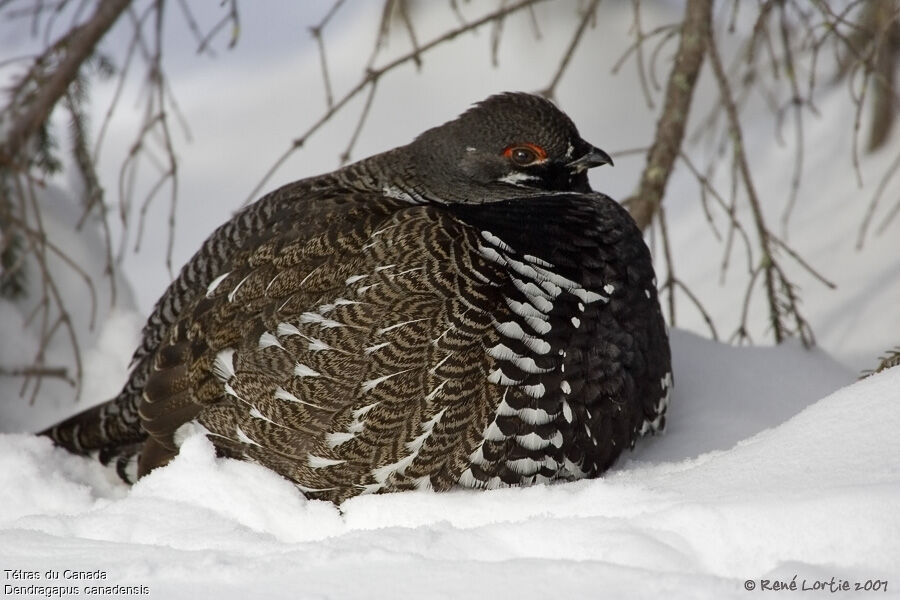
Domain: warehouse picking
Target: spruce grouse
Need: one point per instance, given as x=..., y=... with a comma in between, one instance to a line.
x=462, y=310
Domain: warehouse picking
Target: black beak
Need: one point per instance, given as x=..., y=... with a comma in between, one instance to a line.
x=593, y=158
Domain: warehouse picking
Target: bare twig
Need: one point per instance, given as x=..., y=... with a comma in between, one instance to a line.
x=550, y=90
x=670, y=128
x=36, y=371
x=373, y=74
x=316, y=32
x=639, y=51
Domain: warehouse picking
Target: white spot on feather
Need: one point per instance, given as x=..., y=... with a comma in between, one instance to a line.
x=468, y=480
x=499, y=377
x=588, y=297
x=392, y=191
x=369, y=385
x=371, y=349
x=534, y=416
x=255, y=414
x=525, y=363
x=524, y=310
x=433, y=393
x=353, y=279
x=243, y=437
x=324, y=322
x=567, y=411
x=524, y=466
x=232, y=293
x=493, y=434
x=267, y=339
x=316, y=345
x=416, y=444
x=538, y=261
x=223, y=367
x=301, y=370
x=493, y=239
x=283, y=394
x=532, y=441
x=438, y=365
x=326, y=308
x=396, y=325
x=335, y=439
x=320, y=462
x=513, y=330
x=285, y=329
x=491, y=254
x=381, y=474
x=215, y=283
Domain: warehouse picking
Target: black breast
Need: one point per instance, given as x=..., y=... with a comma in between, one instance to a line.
x=584, y=355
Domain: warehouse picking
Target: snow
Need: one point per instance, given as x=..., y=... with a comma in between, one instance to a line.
x=763, y=474
x=776, y=464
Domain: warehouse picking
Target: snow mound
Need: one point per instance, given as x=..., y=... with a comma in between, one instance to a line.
x=758, y=479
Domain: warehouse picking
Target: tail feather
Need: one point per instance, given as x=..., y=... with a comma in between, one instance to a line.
x=105, y=428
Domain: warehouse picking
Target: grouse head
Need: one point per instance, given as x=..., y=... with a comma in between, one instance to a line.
x=507, y=146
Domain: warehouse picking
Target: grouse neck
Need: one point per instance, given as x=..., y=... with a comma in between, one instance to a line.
x=392, y=174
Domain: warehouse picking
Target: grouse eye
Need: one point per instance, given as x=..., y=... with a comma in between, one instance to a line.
x=525, y=154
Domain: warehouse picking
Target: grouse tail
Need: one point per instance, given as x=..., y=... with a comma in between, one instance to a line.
x=111, y=431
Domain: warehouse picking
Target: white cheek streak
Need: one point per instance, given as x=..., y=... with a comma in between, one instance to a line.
x=517, y=178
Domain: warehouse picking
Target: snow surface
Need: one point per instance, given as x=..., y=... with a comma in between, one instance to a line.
x=757, y=478
x=775, y=464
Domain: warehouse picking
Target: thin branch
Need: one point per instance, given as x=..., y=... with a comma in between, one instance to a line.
x=36, y=371
x=316, y=32
x=670, y=128
x=550, y=90
x=639, y=53
x=372, y=75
